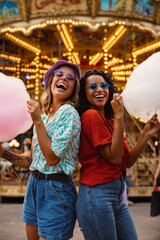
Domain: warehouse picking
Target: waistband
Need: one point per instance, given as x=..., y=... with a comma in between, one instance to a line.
x=60, y=177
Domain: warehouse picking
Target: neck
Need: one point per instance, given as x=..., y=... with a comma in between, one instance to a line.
x=55, y=106
x=100, y=110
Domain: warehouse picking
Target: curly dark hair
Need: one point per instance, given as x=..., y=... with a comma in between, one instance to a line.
x=83, y=102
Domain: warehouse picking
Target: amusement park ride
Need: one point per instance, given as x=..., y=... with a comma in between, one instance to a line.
x=115, y=36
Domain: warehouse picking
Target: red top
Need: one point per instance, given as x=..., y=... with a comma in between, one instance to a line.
x=96, y=131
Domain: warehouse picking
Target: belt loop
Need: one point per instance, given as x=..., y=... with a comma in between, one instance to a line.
x=38, y=175
x=46, y=177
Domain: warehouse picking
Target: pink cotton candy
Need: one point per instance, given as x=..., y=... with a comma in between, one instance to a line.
x=14, y=118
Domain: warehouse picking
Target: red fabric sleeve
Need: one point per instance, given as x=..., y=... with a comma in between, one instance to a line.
x=95, y=128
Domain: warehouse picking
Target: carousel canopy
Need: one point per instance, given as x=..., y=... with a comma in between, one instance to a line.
x=115, y=35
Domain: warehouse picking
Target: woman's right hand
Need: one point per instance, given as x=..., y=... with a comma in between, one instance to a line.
x=34, y=110
x=1, y=150
x=117, y=106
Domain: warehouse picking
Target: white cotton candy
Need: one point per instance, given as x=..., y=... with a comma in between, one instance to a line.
x=141, y=95
x=14, y=118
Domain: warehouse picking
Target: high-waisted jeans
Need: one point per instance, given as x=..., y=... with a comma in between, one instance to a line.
x=102, y=214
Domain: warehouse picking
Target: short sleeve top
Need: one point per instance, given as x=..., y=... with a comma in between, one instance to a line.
x=96, y=130
x=64, y=132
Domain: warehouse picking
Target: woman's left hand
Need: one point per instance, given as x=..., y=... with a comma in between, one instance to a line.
x=152, y=126
x=34, y=110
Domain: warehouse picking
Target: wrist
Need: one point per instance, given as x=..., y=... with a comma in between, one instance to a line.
x=119, y=125
x=118, y=117
x=145, y=135
x=118, y=121
x=38, y=123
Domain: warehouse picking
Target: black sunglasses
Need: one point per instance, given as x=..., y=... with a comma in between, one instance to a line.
x=103, y=85
x=70, y=76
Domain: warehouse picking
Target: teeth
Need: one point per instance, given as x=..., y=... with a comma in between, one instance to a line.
x=62, y=85
x=99, y=96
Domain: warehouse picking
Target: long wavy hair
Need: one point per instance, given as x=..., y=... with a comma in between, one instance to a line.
x=47, y=97
x=83, y=102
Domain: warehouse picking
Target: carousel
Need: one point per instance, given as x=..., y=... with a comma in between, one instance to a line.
x=113, y=35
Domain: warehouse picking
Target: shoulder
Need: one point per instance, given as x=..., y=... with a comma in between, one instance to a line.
x=70, y=108
x=91, y=115
x=91, y=119
x=68, y=113
x=90, y=112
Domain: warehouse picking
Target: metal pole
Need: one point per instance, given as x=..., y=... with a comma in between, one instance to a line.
x=125, y=113
x=60, y=45
x=3, y=51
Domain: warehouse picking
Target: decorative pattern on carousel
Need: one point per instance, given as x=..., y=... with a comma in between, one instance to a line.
x=57, y=7
x=9, y=9
x=144, y=7
x=94, y=6
x=111, y=4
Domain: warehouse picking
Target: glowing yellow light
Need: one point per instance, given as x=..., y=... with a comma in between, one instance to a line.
x=22, y=43
x=27, y=30
x=114, y=37
x=10, y=57
x=146, y=48
x=76, y=57
x=96, y=58
x=122, y=67
x=67, y=36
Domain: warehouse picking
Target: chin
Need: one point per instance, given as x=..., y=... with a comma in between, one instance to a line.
x=100, y=104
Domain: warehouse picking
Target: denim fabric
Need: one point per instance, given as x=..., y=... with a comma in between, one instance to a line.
x=102, y=214
x=50, y=205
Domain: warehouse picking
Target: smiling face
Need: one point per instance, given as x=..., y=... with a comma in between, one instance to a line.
x=99, y=97
x=62, y=87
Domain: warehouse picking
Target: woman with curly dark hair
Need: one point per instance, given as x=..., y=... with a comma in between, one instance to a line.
x=84, y=104
x=104, y=156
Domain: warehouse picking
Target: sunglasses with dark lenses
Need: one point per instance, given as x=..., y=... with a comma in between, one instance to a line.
x=103, y=85
x=70, y=76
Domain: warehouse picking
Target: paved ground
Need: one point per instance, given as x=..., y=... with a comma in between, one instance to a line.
x=12, y=228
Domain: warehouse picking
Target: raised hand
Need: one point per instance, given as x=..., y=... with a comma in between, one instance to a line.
x=152, y=126
x=117, y=105
x=34, y=110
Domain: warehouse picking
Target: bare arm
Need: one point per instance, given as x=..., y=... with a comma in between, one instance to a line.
x=16, y=159
x=43, y=139
x=151, y=127
x=136, y=150
x=113, y=151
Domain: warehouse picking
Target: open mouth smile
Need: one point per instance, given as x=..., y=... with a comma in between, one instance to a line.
x=61, y=85
x=100, y=96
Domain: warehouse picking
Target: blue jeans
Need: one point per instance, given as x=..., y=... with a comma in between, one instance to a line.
x=50, y=205
x=102, y=214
